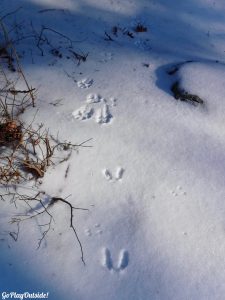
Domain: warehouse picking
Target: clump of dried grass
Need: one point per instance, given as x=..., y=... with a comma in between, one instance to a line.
x=26, y=151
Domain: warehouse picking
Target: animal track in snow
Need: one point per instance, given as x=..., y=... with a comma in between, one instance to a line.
x=107, y=261
x=97, y=230
x=103, y=115
x=85, y=83
x=88, y=232
x=83, y=113
x=118, y=174
x=123, y=259
x=107, y=174
x=93, y=98
x=178, y=191
x=97, y=108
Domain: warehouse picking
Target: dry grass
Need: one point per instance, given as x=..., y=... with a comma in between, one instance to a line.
x=26, y=151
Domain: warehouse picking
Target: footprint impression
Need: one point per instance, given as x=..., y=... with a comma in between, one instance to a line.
x=178, y=191
x=117, y=176
x=96, y=108
x=122, y=263
x=96, y=230
x=85, y=83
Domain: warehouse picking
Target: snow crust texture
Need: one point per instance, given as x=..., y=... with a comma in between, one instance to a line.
x=153, y=180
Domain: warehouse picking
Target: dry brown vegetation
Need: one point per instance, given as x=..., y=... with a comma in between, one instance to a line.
x=26, y=151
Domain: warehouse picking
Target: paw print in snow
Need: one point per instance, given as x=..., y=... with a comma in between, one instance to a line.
x=107, y=174
x=123, y=260
x=107, y=260
x=103, y=115
x=178, y=191
x=96, y=230
x=118, y=174
x=83, y=113
x=85, y=83
x=94, y=98
x=88, y=232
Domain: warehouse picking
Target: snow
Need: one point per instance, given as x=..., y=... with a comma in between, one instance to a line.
x=153, y=180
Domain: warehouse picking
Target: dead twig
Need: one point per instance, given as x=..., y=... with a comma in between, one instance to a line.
x=27, y=151
x=55, y=199
x=42, y=209
x=79, y=57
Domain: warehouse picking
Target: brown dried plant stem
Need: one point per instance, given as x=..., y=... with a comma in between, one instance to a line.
x=9, y=44
x=26, y=151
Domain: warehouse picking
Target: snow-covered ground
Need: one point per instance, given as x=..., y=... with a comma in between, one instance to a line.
x=154, y=178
